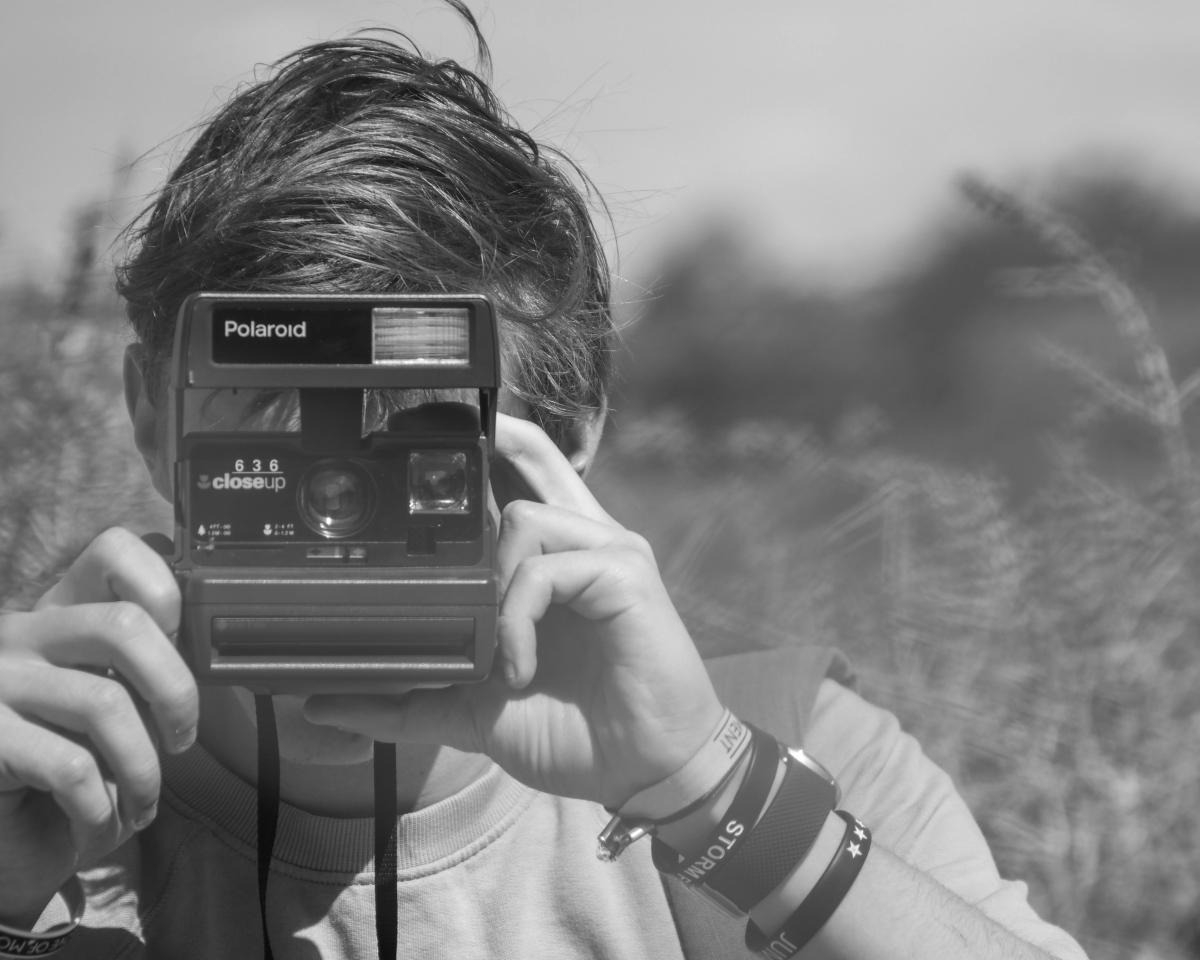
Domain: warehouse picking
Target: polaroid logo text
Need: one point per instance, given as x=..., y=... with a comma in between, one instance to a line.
x=234, y=481
x=293, y=331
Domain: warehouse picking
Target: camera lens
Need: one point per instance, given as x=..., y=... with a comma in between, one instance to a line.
x=437, y=482
x=336, y=498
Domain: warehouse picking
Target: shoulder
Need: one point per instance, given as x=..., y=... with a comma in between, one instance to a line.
x=777, y=688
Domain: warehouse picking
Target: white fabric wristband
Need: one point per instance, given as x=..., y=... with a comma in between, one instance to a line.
x=701, y=775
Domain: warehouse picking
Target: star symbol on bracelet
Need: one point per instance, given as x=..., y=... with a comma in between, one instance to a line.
x=860, y=833
x=854, y=850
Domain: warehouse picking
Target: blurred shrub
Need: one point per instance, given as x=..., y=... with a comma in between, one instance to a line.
x=69, y=468
x=940, y=345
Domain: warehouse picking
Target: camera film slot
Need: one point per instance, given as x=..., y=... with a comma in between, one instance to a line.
x=447, y=638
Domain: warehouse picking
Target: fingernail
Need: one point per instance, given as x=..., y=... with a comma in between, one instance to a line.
x=184, y=737
x=146, y=817
x=510, y=674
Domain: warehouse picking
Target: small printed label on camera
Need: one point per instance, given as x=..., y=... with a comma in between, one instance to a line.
x=247, y=474
x=241, y=481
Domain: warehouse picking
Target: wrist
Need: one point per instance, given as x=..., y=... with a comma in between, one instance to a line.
x=691, y=830
x=693, y=785
x=684, y=794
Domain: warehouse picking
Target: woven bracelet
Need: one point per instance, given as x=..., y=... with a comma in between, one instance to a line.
x=818, y=906
x=736, y=824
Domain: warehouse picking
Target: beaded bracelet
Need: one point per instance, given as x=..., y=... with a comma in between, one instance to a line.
x=818, y=906
x=45, y=943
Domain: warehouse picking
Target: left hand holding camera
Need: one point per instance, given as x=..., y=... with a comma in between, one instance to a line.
x=598, y=690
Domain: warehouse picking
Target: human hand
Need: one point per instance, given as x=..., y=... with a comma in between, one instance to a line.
x=89, y=683
x=597, y=690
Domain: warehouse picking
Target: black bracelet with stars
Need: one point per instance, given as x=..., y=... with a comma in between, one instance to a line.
x=819, y=905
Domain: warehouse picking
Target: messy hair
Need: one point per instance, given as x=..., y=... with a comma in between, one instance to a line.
x=361, y=165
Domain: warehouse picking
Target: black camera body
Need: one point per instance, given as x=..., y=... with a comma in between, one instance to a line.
x=312, y=558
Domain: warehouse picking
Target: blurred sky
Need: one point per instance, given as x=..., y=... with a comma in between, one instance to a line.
x=831, y=126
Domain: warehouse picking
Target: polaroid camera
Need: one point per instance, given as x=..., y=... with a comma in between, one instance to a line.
x=317, y=559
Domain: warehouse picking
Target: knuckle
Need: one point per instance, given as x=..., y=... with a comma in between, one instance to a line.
x=108, y=701
x=75, y=768
x=636, y=574
x=163, y=596
x=518, y=513
x=124, y=618
x=640, y=545
x=145, y=780
x=111, y=542
x=177, y=698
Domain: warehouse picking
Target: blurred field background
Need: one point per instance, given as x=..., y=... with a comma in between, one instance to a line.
x=972, y=468
x=977, y=479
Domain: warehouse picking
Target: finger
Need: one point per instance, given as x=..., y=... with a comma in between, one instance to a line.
x=104, y=712
x=544, y=468
x=443, y=716
x=117, y=565
x=598, y=585
x=528, y=528
x=41, y=759
x=120, y=636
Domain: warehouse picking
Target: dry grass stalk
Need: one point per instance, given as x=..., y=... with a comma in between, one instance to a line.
x=1086, y=269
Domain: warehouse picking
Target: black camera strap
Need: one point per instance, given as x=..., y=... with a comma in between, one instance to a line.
x=386, y=903
x=268, y=803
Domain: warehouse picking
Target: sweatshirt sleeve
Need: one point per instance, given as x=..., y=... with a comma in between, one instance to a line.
x=913, y=809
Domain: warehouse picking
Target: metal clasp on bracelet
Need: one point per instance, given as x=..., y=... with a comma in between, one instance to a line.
x=617, y=835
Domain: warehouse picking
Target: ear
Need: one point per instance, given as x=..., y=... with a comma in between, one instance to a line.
x=581, y=439
x=149, y=426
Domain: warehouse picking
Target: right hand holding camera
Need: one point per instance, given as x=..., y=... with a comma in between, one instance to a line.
x=90, y=687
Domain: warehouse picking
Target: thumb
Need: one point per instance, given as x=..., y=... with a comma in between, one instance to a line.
x=434, y=716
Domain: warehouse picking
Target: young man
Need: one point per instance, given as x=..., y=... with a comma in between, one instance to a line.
x=360, y=166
